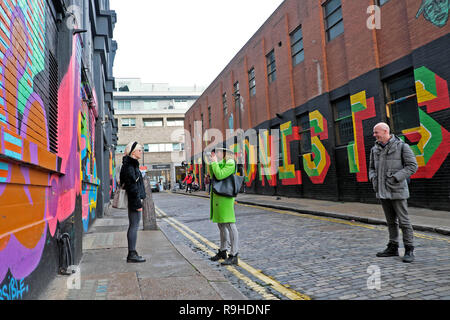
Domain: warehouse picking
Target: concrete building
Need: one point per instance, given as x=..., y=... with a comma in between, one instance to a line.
x=57, y=133
x=153, y=115
x=324, y=73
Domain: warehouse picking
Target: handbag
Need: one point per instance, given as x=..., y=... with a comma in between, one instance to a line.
x=228, y=187
x=120, y=199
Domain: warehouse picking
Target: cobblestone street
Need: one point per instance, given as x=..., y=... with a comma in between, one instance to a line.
x=318, y=257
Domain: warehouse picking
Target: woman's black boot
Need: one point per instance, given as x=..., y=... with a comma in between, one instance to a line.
x=134, y=257
x=220, y=255
x=231, y=260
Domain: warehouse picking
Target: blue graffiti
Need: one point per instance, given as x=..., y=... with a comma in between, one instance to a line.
x=14, y=290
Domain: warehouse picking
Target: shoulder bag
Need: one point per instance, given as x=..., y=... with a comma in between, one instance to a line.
x=228, y=187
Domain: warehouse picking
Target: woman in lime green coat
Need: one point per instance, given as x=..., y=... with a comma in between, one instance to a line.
x=222, y=208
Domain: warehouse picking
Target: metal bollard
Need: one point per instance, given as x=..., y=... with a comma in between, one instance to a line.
x=148, y=210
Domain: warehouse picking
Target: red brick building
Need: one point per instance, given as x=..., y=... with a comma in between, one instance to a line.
x=324, y=74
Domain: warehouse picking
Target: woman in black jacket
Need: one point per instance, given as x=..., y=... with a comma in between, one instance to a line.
x=131, y=179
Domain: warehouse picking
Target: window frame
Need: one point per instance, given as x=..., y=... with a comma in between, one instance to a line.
x=302, y=50
x=252, y=82
x=121, y=105
x=379, y=2
x=271, y=66
x=305, y=133
x=224, y=104
x=209, y=117
x=337, y=120
x=154, y=120
x=122, y=123
x=179, y=122
x=326, y=16
x=390, y=101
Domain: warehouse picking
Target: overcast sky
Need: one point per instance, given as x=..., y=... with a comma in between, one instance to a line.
x=183, y=42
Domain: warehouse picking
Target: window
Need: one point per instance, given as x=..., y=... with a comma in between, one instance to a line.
x=209, y=117
x=120, y=148
x=401, y=100
x=162, y=147
x=271, y=67
x=381, y=2
x=237, y=101
x=202, y=122
x=343, y=121
x=305, y=133
x=225, y=105
x=175, y=122
x=124, y=105
x=298, y=54
x=128, y=122
x=252, y=82
x=236, y=94
x=180, y=103
x=334, y=23
x=153, y=122
x=150, y=105
x=178, y=146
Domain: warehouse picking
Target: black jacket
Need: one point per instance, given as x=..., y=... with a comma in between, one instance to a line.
x=131, y=179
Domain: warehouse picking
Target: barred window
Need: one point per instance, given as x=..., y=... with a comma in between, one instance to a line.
x=343, y=121
x=305, y=133
x=400, y=92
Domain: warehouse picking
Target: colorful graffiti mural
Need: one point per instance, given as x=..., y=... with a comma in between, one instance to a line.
x=268, y=158
x=288, y=174
x=362, y=109
x=24, y=138
x=317, y=163
x=435, y=11
x=88, y=166
x=39, y=187
x=430, y=142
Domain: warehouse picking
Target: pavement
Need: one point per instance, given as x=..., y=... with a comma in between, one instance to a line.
x=172, y=270
x=422, y=219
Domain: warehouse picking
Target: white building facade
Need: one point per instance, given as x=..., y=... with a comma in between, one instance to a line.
x=153, y=114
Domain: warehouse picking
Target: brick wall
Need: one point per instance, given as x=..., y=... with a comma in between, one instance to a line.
x=355, y=65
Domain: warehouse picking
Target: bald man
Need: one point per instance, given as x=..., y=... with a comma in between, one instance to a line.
x=392, y=162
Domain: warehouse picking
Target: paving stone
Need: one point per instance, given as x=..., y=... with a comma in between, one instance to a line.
x=319, y=254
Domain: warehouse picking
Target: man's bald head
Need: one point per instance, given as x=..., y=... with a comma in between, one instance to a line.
x=383, y=126
x=382, y=132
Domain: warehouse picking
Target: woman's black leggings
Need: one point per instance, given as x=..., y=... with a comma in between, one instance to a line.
x=134, y=218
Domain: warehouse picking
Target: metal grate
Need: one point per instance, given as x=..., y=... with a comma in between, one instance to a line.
x=53, y=103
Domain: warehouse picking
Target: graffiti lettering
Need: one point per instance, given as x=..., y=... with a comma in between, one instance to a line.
x=14, y=290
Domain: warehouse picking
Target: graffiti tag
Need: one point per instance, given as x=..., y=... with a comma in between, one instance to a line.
x=14, y=290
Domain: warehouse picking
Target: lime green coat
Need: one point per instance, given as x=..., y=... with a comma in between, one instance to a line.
x=222, y=208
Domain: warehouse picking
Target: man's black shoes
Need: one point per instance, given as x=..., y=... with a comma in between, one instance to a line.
x=390, y=251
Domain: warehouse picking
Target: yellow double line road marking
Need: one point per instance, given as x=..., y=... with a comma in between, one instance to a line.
x=336, y=220
x=202, y=243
